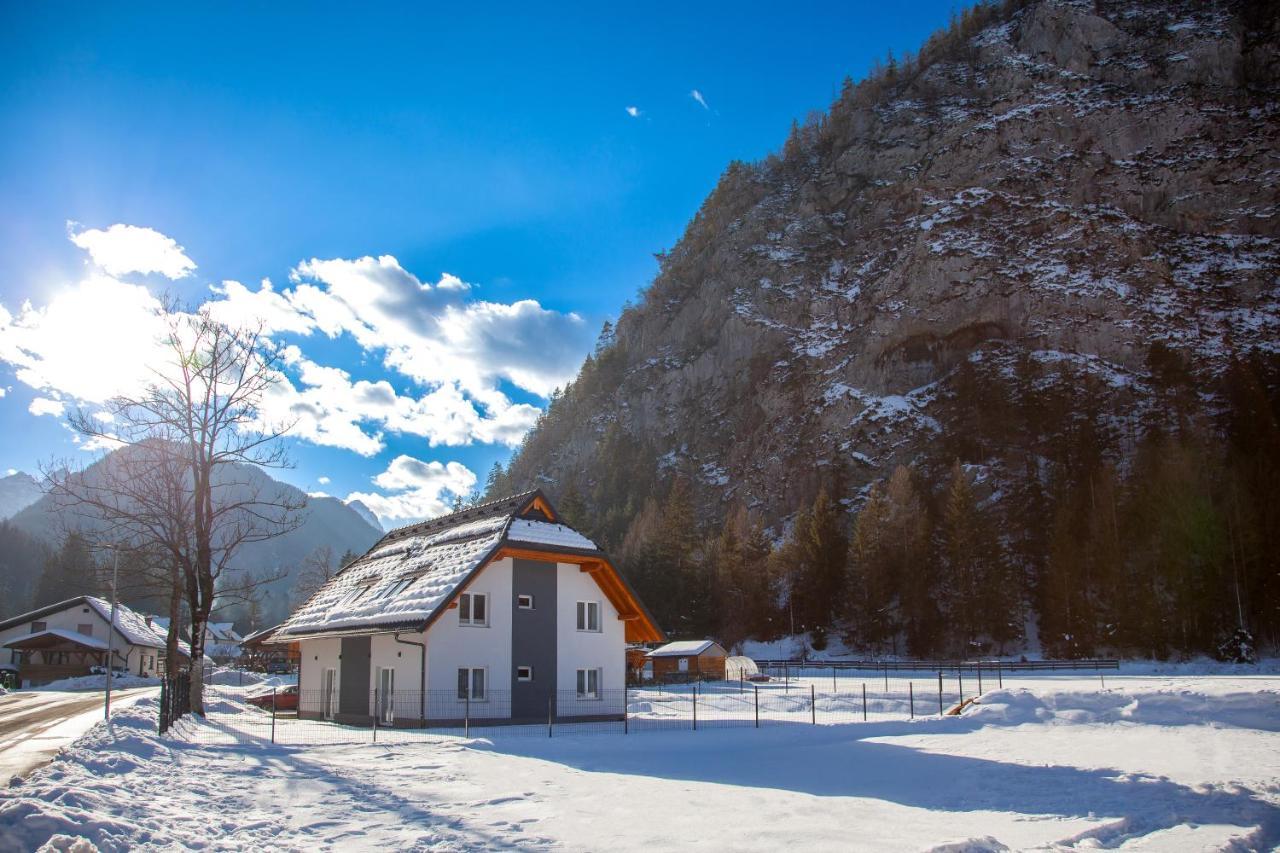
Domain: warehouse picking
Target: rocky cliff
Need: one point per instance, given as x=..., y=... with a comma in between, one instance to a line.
x=1073, y=180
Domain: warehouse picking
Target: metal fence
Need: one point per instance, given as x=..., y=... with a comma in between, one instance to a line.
x=789, y=693
x=175, y=700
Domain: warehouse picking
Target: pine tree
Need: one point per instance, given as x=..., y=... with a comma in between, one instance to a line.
x=869, y=592
x=823, y=553
x=69, y=572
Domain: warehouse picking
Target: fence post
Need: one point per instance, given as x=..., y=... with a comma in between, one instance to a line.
x=626, y=708
x=886, y=677
x=960, y=681
x=786, y=677
x=979, y=679
x=940, y=711
x=1103, y=679
x=864, y=701
x=375, y=715
x=695, y=707
x=273, y=715
x=466, y=714
x=911, y=696
x=1000, y=674
x=833, y=680
x=813, y=705
x=757, y=689
x=551, y=698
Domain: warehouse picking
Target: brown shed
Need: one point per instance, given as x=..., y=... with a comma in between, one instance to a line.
x=687, y=659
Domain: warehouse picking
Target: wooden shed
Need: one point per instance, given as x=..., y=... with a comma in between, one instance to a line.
x=687, y=660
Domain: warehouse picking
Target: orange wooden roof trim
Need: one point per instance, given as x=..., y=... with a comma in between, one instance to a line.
x=540, y=503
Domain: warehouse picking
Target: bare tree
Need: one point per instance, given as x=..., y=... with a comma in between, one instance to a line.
x=315, y=571
x=184, y=481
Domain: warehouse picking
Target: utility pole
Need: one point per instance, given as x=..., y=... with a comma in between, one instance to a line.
x=111, y=630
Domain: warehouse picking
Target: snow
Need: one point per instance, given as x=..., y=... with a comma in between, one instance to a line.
x=545, y=533
x=1151, y=763
x=97, y=682
x=681, y=647
x=372, y=592
x=131, y=624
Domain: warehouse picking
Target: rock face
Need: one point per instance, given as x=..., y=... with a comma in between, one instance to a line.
x=1072, y=181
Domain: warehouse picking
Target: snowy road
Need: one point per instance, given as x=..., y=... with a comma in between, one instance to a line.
x=34, y=725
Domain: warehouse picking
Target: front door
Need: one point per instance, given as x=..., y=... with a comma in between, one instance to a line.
x=329, y=694
x=386, y=695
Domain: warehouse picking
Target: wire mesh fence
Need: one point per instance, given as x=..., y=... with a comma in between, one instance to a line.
x=809, y=695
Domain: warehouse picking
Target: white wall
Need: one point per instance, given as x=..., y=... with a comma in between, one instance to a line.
x=451, y=646
x=604, y=650
x=315, y=657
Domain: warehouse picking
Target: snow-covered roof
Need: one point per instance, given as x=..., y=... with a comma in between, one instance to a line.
x=547, y=533
x=682, y=648
x=63, y=634
x=131, y=624
x=414, y=571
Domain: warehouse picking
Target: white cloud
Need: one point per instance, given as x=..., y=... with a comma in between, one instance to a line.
x=123, y=249
x=697, y=96
x=11, y=472
x=317, y=494
x=2, y=392
x=458, y=348
x=420, y=489
x=324, y=481
x=634, y=112
x=103, y=337
x=45, y=406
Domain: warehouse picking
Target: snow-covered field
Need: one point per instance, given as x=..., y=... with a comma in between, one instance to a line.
x=1152, y=763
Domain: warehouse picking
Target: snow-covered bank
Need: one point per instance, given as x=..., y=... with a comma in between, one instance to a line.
x=1167, y=763
x=98, y=682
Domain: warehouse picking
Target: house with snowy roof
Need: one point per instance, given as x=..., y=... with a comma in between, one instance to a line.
x=499, y=612
x=66, y=639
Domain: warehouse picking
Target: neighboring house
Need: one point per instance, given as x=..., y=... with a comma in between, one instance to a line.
x=65, y=639
x=221, y=642
x=686, y=659
x=498, y=611
x=257, y=650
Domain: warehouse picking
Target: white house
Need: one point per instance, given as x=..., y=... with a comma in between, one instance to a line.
x=498, y=612
x=221, y=641
x=66, y=639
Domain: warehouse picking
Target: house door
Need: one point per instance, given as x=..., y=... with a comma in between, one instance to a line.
x=329, y=694
x=386, y=695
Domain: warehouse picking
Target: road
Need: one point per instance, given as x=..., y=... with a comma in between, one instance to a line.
x=35, y=724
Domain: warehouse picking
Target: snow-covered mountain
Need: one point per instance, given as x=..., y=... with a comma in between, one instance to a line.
x=17, y=492
x=366, y=513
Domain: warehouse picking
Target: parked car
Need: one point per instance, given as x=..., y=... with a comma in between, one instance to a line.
x=279, y=667
x=118, y=671
x=286, y=699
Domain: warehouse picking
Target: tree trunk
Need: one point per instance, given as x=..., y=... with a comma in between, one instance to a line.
x=198, y=623
x=171, y=663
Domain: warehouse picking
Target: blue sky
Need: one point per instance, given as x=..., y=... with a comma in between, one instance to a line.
x=491, y=144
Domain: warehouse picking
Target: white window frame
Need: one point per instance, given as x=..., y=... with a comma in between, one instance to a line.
x=583, y=613
x=471, y=683
x=467, y=605
x=524, y=678
x=582, y=683
x=524, y=601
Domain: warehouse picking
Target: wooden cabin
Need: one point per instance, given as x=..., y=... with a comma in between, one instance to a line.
x=687, y=660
